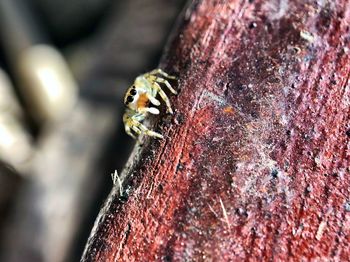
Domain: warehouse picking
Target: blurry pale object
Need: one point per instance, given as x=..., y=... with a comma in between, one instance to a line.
x=48, y=86
x=8, y=99
x=15, y=144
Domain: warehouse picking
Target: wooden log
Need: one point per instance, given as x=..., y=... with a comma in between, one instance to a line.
x=255, y=161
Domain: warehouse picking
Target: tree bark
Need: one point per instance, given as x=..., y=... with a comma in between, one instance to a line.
x=255, y=160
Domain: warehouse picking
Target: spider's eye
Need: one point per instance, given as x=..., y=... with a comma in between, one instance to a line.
x=129, y=99
x=133, y=92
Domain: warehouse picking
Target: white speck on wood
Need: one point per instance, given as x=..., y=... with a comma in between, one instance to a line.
x=225, y=214
x=320, y=230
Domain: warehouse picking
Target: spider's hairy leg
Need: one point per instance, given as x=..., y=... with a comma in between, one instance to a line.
x=132, y=123
x=128, y=131
x=128, y=125
x=166, y=82
x=163, y=96
x=161, y=72
x=139, y=129
x=153, y=78
x=148, y=132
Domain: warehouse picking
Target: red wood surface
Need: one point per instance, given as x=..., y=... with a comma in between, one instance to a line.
x=255, y=161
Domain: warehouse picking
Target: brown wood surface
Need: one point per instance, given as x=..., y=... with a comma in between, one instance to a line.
x=255, y=161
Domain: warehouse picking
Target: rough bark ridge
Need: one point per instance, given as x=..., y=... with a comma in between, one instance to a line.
x=255, y=161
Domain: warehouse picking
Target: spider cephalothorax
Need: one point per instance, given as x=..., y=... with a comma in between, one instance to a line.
x=140, y=99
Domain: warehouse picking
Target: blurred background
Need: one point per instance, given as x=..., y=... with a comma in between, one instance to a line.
x=64, y=68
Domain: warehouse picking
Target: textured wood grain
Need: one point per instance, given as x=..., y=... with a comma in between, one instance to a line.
x=255, y=161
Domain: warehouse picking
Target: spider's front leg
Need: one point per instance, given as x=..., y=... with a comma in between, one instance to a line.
x=128, y=124
x=128, y=131
x=132, y=123
x=154, y=82
x=154, y=78
x=163, y=95
x=161, y=72
x=148, y=132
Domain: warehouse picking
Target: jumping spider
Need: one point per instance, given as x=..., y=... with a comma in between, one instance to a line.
x=139, y=97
